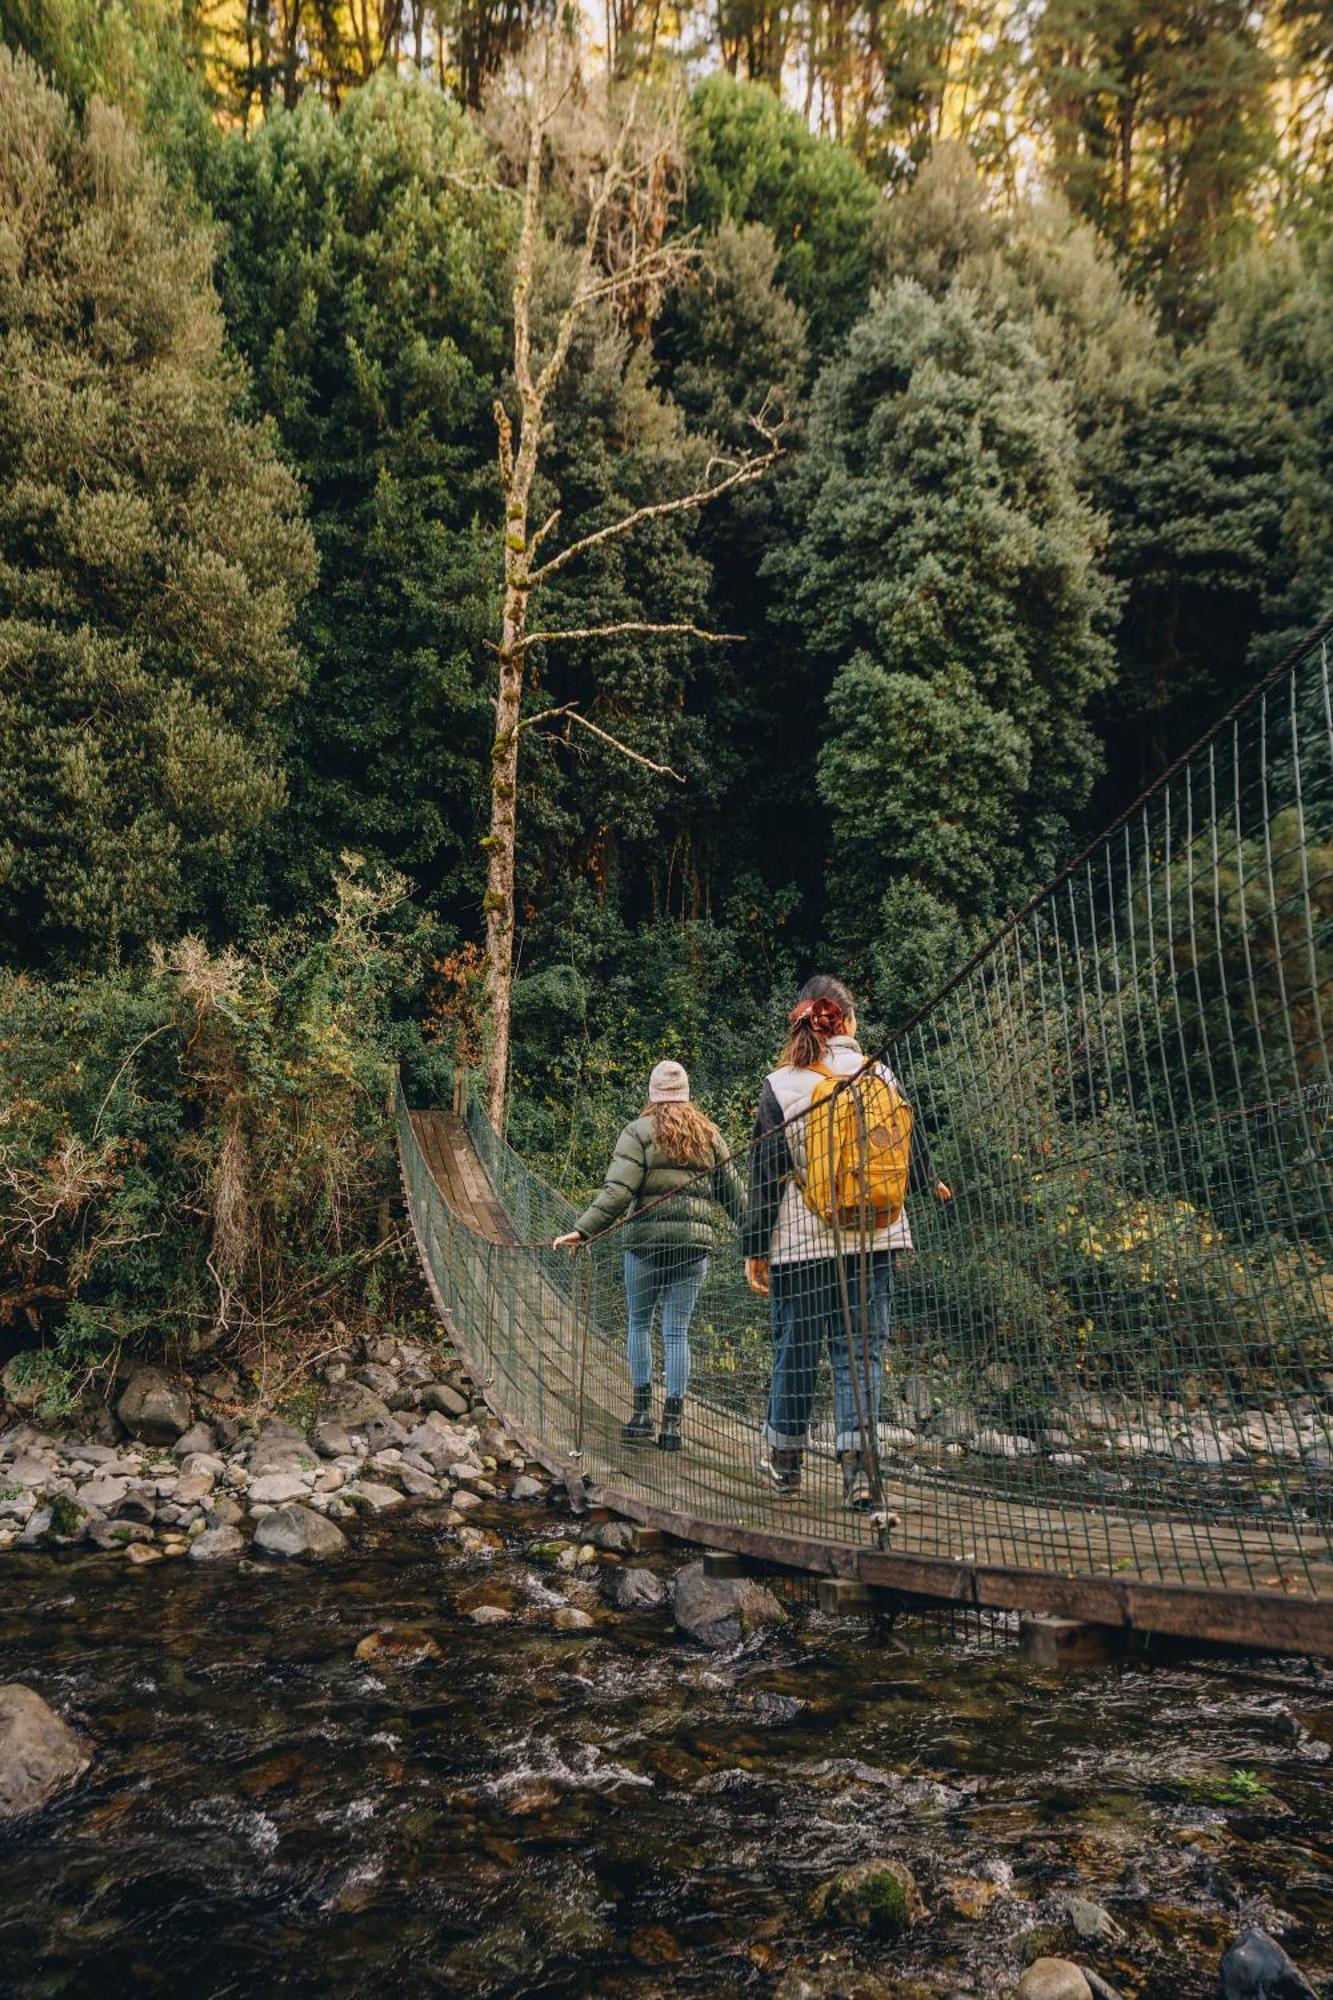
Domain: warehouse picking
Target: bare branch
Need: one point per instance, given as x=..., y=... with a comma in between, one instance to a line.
x=633, y=625
x=571, y=714
x=546, y=715
x=612, y=182
x=547, y=525
x=741, y=475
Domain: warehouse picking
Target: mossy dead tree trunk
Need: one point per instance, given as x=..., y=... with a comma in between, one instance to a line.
x=619, y=160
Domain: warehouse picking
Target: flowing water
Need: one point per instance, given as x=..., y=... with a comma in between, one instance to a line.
x=508, y=1809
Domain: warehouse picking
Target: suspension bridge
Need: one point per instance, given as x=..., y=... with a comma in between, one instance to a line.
x=1109, y=1383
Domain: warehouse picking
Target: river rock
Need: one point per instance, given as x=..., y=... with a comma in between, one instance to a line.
x=1256, y=1968
x=635, y=1589
x=274, y=1489
x=721, y=1611
x=199, y=1437
x=525, y=1487
x=300, y=1533
x=352, y=1405
x=618, y=1536
x=879, y=1896
x=1090, y=1920
x=215, y=1544
x=39, y=1752
x=374, y=1498
x=104, y=1493
x=418, y=1485
x=332, y=1439
x=138, y=1504
x=569, y=1618
x=442, y=1396
x=155, y=1407
x=193, y=1489
x=225, y=1511
x=1053, y=1979
x=104, y=1534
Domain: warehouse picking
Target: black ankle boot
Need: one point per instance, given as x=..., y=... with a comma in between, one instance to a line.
x=639, y=1429
x=668, y=1438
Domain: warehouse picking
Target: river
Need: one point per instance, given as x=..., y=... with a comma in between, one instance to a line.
x=508, y=1809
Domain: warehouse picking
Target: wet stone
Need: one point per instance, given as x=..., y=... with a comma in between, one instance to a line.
x=299, y=1534
x=1256, y=1968
x=721, y=1611
x=634, y=1589
x=879, y=1896
x=39, y=1752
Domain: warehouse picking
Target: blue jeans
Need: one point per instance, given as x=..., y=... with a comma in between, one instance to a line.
x=806, y=1311
x=674, y=1280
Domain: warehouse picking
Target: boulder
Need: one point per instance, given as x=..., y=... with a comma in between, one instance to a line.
x=217, y=1543
x=1256, y=1968
x=879, y=1896
x=1053, y=1979
x=299, y=1533
x=721, y=1611
x=352, y=1405
x=155, y=1407
x=634, y=1589
x=525, y=1487
x=39, y=1752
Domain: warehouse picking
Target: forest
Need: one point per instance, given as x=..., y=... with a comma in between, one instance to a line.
x=929, y=435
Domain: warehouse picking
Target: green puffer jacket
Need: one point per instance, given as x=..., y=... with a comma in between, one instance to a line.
x=638, y=1174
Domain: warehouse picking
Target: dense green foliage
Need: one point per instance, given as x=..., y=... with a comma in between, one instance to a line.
x=1058, y=471
x=151, y=554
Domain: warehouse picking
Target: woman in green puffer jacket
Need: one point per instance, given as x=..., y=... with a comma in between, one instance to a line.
x=662, y=1152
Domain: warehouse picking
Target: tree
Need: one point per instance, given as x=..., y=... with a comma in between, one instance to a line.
x=152, y=551
x=1159, y=122
x=363, y=276
x=947, y=579
x=753, y=159
x=613, y=173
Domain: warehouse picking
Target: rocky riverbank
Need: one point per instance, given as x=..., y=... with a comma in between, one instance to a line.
x=182, y=1467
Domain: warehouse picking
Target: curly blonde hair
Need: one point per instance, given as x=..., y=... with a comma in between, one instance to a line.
x=684, y=1135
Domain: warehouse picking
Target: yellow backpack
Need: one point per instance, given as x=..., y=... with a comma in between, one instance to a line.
x=858, y=1142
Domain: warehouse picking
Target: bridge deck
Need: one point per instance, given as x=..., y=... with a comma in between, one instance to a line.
x=562, y=1387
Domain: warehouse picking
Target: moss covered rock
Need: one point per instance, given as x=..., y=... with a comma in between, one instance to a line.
x=879, y=1896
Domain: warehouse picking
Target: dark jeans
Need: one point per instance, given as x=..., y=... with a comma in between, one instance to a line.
x=806, y=1309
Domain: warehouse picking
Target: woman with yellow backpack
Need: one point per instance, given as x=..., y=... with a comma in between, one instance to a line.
x=834, y=1144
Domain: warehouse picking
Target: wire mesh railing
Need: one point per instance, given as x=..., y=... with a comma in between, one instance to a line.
x=1111, y=1352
